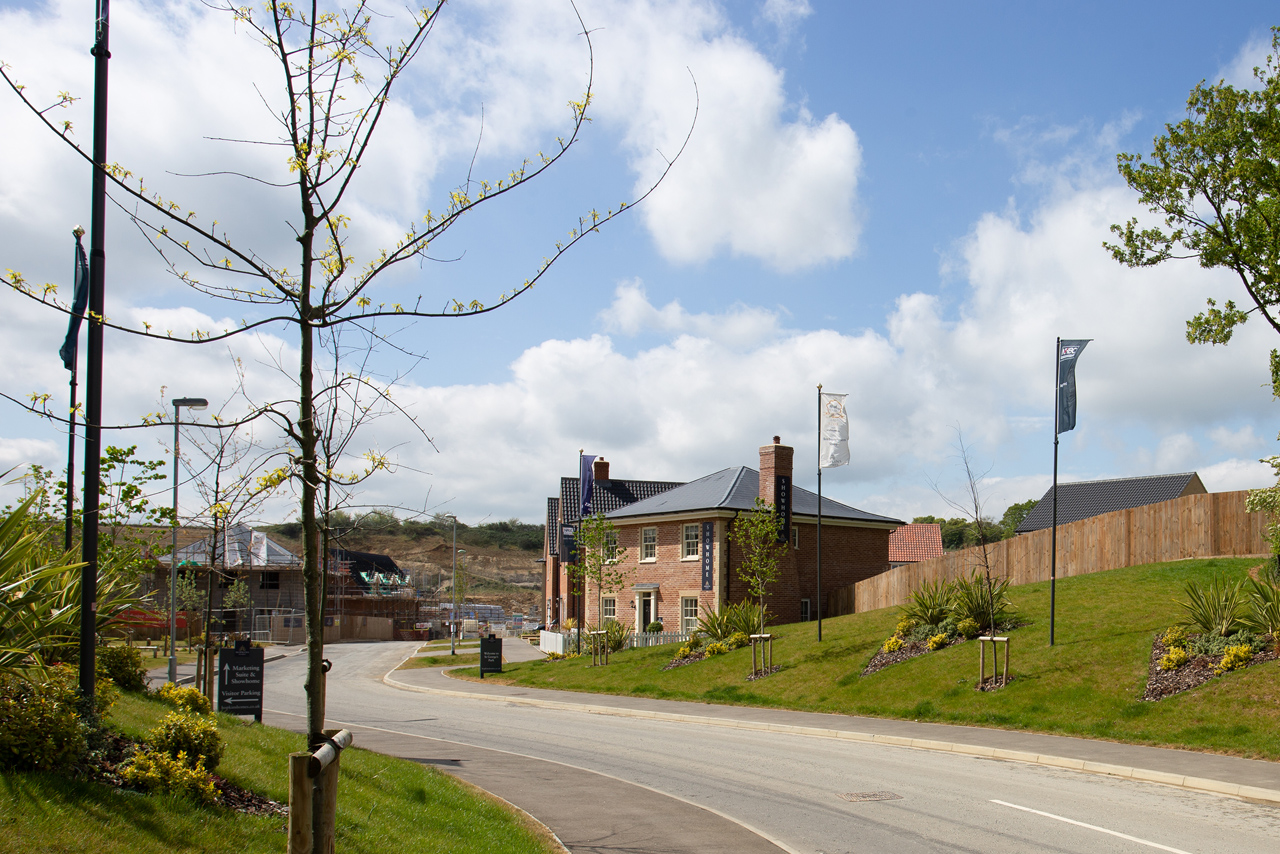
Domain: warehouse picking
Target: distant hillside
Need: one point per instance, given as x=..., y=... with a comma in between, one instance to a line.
x=500, y=559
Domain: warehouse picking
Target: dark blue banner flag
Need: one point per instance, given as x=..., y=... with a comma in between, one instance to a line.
x=78, y=303
x=1068, y=353
x=586, y=483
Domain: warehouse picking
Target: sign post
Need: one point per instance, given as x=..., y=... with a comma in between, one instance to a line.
x=240, y=672
x=490, y=655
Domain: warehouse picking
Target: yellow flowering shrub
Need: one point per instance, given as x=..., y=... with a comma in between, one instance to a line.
x=893, y=644
x=158, y=772
x=938, y=641
x=1174, y=658
x=1234, y=657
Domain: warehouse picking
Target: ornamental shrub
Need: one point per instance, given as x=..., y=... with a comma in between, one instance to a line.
x=1234, y=657
x=717, y=648
x=185, y=699
x=655, y=626
x=193, y=737
x=1174, y=658
x=123, y=665
x=893, y=644
x=154, y=771
x=968, y=628
x=906, y=625
x=938, y=641
x=737, y=640
x=40, y=726
x=686, y=651
x=1176, y=636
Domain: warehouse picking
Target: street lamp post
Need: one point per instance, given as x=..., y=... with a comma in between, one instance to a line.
x=193, y=403
x=453, y=592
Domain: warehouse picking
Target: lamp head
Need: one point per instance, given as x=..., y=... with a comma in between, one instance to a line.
x=194, y=403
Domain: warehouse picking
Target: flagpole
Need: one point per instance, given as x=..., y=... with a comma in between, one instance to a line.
x=93, y=367
x=819, y=512
x=1053, y=539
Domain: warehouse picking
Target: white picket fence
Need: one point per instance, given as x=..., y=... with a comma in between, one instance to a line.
x=647, y=639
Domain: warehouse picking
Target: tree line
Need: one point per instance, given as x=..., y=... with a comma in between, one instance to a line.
x=960, y=533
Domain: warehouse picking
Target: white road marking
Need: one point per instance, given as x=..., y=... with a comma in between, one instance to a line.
x=1146, y=842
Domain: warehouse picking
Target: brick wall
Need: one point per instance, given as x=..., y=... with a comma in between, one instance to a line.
x=850, y=554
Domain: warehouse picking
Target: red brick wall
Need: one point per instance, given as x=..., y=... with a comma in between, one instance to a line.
x=849, y=555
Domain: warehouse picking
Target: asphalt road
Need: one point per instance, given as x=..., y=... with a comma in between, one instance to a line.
x=619, y=784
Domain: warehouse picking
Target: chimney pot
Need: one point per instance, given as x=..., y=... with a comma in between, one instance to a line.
x=777, y=440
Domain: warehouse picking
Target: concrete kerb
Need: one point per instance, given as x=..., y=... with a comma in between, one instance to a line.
x=1198, y=784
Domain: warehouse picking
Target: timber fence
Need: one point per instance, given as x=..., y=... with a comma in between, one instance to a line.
x=1213, y=524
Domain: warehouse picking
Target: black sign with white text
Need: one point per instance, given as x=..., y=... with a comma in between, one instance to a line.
x=782, y=501
x=240, y=673
x=708, y=567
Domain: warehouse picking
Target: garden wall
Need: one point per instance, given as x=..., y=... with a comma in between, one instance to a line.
x=1196, y=526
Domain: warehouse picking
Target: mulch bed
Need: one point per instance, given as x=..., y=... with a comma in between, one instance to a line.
x=764, y=672
x=681, y=662
x=113, y=749
x=906, y=652
x=1197, y=671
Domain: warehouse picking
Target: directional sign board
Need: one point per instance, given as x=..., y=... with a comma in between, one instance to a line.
x=240, y=681
x=490, y=655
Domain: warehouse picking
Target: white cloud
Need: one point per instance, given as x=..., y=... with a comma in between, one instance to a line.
x=1238, y=441
x=739, y=326
x=1253, y=54
x=785, y=14
x=1233, y=474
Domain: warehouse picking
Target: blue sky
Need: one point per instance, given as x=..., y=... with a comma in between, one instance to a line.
x=905, y=202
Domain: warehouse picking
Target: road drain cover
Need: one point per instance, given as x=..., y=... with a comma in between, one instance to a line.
x=870, y=796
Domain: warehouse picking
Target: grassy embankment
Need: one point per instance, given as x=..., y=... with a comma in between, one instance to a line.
x=1088, y=684
x=384, y=804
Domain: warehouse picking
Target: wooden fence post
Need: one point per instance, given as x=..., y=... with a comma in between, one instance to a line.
x=299, y=803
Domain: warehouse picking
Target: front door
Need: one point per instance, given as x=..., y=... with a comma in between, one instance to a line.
x=646, y=610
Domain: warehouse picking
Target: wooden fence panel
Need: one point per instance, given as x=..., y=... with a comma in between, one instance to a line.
x=1196, y=526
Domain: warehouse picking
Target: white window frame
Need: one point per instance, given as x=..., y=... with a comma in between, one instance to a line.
x=648, y=548
x=688, y=622
x=806, y=611
x=795, y=537
x=609, y=608
x=695, y=541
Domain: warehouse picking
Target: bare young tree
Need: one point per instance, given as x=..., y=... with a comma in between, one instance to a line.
x=337, y=68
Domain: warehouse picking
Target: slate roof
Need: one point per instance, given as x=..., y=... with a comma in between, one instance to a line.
x=1087, y=498
x=609, y=495
x=915, y=542
x=736, y=489
x=236, y=551
x=553, y=520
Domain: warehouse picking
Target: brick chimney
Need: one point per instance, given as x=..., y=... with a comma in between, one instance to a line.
x=600, y=469
x=775, y=462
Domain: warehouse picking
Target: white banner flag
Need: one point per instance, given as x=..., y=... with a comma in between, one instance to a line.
x=257, y=549
x=833, y=431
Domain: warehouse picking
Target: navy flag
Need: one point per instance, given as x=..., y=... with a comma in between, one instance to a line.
x=1068, y=353
x=586, y=483
x=78, y=304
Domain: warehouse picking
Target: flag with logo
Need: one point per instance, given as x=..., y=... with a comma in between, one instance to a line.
x=586, y=483
x=833, y=431
x=257, y=549
x=79, y=301
x=1069, y=351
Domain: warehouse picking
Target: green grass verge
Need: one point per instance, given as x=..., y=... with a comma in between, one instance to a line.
x=1088, y=684
x=384, y=804
x=445, y=660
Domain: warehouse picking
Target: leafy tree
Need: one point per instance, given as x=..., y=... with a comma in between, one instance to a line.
x=757, y=534
x=1214, y=177
x=1014, y=514
x=598, y=560
x=338, y=66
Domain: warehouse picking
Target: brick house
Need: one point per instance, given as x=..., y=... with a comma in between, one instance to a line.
x=676, y=546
